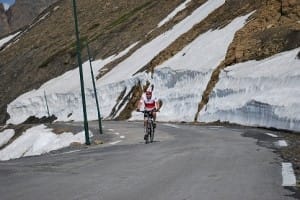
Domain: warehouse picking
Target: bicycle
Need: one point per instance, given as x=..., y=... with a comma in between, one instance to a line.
x=149, y=126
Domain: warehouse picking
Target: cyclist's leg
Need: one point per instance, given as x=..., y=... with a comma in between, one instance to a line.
x=154, y=116
x=154, y=119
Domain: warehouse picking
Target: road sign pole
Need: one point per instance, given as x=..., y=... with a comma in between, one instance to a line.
x=78, y=47
x=95, y=90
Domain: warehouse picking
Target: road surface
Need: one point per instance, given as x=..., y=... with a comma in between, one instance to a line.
x=184, y=163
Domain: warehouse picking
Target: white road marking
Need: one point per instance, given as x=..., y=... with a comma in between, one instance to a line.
x=172, y=125
x=272, y=135
x=281, y=143
x=117, y=133
x=122, y=136
x=111, y=130
x=215, y=126
x=288, y=175
x=116, y=142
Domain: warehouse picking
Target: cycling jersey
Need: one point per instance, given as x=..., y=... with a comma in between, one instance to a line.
x=149, y=103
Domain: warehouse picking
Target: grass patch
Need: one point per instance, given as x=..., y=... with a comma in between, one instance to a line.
x=126, y=16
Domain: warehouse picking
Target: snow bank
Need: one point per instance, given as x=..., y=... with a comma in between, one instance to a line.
x=258, y=93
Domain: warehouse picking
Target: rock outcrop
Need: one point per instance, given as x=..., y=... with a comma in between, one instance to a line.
x=275, y=27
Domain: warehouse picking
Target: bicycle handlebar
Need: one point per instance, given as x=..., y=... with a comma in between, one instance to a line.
x=147, y=111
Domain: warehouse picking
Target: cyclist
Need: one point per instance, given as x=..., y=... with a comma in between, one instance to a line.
x=150, y=103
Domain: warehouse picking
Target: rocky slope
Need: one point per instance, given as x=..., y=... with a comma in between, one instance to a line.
x=47, y=49
x=4, y=27
x=21, y=14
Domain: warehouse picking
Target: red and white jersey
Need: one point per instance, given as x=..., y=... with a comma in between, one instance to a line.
x=149, y=103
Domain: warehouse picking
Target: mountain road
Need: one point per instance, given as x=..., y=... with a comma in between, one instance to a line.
x=185, y=162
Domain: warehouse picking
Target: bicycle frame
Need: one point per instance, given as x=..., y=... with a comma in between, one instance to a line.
x=149, y=128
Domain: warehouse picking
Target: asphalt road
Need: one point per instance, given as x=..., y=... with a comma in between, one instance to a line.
x=184, y=163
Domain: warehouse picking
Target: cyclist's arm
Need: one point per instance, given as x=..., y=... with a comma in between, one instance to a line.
x=157, y=106
x=140, y=103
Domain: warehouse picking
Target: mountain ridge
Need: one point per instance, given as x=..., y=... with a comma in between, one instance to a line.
x=20, y=14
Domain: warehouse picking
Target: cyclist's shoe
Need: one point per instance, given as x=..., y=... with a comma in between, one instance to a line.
x=154, y=125
x=146, y=137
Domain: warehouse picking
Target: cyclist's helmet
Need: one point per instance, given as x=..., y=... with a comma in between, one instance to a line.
x=148, y=94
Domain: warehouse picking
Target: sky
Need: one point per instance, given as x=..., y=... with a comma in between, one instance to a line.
x=7, y=3
x=262, y=88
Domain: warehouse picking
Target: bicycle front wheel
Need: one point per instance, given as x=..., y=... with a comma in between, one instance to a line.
x=146, y=137
x=151, y=133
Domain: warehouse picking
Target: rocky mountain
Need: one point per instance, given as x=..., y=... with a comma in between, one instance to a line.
x=4, y=27
x=47, y=48
x=22, y=13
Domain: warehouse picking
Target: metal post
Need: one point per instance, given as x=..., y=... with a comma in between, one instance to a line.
x=86, y=126
x=95, y=91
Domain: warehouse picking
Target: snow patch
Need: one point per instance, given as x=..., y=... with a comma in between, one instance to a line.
x=39, y=140
x=173, y=13
x=5, y=136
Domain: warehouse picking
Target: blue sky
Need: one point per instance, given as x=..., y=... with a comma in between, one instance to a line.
x=7, y=1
